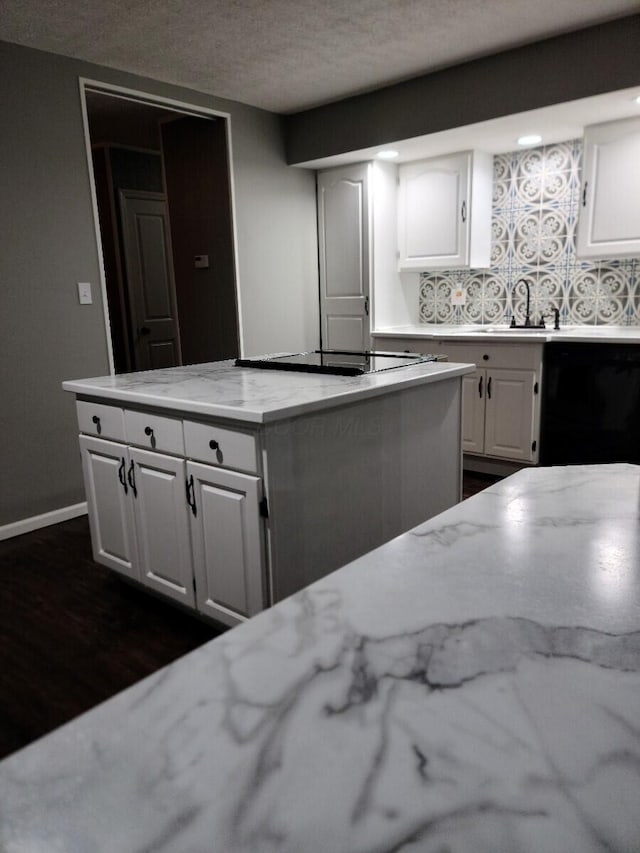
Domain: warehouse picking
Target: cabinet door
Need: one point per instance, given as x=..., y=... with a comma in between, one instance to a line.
x=473, y=404
x=228, y=553
x=344, y=257
x=609, y=215
x=162, y=525
x=104, y=465
x=509, y=417
x=433, y=213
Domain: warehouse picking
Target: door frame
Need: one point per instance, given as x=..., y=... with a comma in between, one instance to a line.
x=88, y=85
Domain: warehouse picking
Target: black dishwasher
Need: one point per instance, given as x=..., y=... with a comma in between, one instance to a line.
x=590, y=403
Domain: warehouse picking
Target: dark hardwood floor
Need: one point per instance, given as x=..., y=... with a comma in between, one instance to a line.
x=72, y=634
x=473, y=482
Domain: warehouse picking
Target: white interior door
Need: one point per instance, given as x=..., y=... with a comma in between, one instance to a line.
x=150, y=281
x=344, y=246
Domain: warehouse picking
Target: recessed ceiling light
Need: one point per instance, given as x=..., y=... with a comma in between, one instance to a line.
x=388, y=154
x=530, y=139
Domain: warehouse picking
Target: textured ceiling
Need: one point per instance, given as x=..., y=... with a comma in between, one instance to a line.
x=288, y=55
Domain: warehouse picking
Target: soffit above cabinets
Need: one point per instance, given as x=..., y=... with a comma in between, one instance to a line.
x=557, y=123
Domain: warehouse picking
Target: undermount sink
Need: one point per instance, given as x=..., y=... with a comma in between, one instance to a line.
x=492, y=330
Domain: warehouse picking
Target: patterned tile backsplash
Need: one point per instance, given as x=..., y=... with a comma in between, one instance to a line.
x=535, y=208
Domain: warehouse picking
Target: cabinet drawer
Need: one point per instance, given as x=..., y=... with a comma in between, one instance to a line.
x=100, y=420
x=156, y=432
x=219, y=446
x=515, y=356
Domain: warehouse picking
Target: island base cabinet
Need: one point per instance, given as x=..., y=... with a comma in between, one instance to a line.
x=104, y=467
x=473, y=405
x=162, y=530
x=228, y=553
x=191, y=532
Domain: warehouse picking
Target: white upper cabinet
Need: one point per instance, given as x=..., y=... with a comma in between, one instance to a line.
x=609, y=217
x=444, y=212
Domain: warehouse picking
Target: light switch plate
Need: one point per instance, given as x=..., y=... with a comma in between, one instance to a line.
x=458, y=296
x=84, y=293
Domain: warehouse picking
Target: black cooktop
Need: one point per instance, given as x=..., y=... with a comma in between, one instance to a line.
x=336, y=362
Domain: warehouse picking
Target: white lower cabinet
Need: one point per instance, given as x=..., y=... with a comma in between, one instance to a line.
x=189, y=531
x=104, y=467
x=507, y=428
x=227, y=541
x=157, y=487
x=500, y=400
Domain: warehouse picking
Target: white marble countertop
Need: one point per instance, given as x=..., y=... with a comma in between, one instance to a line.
x=471, y=332
x=472, y=686
x=254, y=395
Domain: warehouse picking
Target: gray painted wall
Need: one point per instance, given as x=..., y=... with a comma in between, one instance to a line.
x=49, y=244
x=587, y=62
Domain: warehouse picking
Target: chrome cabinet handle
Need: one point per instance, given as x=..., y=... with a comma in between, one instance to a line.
x=463, y=211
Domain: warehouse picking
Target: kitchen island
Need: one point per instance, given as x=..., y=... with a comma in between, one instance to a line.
x=471, y=686
x=227, y=488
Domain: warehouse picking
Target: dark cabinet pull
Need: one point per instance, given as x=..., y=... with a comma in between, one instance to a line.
x=191, y=495
x=121, y=476
x=480, y=387
x=213, y=444
x=96, y=421
x=463, y=211
x=489, y=389
x=131, y=477
x=584, y=194
x=148, y=431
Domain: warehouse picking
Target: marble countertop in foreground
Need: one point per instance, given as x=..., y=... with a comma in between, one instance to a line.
x=472, y=686
x=252, y=395
x=478, y=333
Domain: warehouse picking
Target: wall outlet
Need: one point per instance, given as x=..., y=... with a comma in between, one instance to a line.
x=84, y=293
x=458, y=296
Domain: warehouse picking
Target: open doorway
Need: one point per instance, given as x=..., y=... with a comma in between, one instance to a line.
x=163, y=196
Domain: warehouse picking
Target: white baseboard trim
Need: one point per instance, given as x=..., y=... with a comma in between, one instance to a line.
x=26, y=525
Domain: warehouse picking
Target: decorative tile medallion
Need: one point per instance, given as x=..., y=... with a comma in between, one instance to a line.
x=535, y=209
